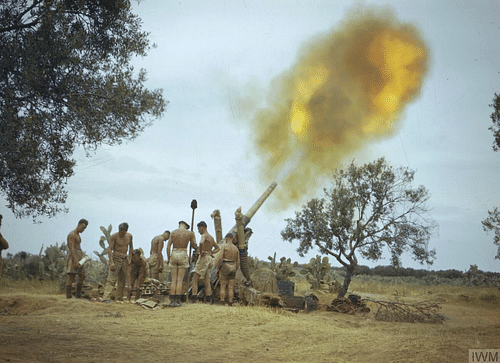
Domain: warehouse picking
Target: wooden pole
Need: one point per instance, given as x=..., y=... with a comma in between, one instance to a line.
x=194, y=205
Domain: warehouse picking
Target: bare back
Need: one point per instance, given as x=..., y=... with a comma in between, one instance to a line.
x=230, y=253
x=157, y=245
x=180, y=238
x=207, y=242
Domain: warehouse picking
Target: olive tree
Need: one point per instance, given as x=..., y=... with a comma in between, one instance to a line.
x=492, y=224
x=495, y=118
x=66, y=80
x=368, y=209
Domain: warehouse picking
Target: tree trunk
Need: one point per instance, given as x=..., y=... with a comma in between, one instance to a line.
x=347, y=280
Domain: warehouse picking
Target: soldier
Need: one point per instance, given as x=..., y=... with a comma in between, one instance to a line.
x=229, y=262
x=204, y=264
x=3, y=246
x=75, y=254
x=120, y=244
x=156, y=256
x=178, y=260
x=137, y=273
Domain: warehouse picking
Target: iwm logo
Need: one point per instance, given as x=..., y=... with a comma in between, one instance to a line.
x=484, y=355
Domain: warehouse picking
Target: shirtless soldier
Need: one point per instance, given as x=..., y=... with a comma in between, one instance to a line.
x=3, y=246
x=178, y=260
x=156, y=256
x=229, y=263
x=137, y=273
x=75, y=254
x=120, y=244
x=204, y=264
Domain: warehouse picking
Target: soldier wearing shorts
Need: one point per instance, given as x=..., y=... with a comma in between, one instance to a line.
x=177, y=259
x=75, y=254
x=229, y=263
x=204, y=264
x=156, y=256
x=120, y=245
x=138, y=267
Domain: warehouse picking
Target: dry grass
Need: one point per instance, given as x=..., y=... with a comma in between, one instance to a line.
x=480, y=296
x=52, y=328
x=34, y=287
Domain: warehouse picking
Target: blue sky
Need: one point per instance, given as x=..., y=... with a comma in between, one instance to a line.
x=211, y=55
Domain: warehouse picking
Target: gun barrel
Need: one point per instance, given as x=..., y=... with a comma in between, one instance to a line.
x=255, y=207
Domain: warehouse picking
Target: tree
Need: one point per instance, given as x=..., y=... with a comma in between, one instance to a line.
x=492, y=223
x=495, y=117
x=367, y=208
x=66, y=81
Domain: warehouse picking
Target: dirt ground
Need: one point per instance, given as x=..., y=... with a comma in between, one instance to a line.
x=50, y=328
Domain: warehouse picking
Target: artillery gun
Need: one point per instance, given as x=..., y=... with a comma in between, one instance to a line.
x=243, y=234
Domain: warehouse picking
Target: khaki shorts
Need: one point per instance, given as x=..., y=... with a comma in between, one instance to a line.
x=179, y=258
x=204, y=265
x=227, y=271
x=69, y=263
x=154, y=266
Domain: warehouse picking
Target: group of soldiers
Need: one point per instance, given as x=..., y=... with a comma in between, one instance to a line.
x=125, y=263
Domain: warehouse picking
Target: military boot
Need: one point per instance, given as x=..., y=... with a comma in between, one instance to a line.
x=172, y=300
x=69, y=295
x=178, y=300
x=79, y=288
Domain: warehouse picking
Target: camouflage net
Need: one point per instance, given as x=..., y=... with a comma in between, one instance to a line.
x=345, y=306
x=264, y=280
x=271, y=300
x=419, y=312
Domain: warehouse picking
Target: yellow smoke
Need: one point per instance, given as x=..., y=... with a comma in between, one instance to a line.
x=347, y=88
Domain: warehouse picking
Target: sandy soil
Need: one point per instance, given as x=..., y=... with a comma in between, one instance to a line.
x=50, y=328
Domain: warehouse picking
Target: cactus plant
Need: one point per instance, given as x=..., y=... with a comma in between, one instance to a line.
x=316, y=272
x=273, y=262
x=106, y=237
x=284, y=270
x=253, y=264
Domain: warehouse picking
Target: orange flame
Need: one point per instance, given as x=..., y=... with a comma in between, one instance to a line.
x=348, y=88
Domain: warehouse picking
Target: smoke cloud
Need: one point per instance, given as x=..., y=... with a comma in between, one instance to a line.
x=347, y=88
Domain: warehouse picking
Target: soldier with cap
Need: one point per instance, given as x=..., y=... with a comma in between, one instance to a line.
x=137, y=273
x=3, y=246
x=228, y=264
x=120, y=245
x=204, y=264
x=178, y=259
x=156, y=255
x=75, y=254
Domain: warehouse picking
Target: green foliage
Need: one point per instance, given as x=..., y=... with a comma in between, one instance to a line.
x=368, y=208
x=406, y=272
x=316, y=271
x=284, y=270
x=66, y=81
x=49, y=266
x=495, y=118
x=492, y=224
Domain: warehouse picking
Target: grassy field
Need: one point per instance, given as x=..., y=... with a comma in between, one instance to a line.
x=38, y=324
